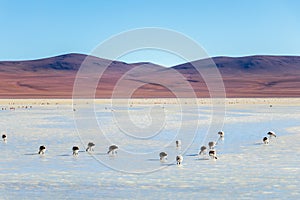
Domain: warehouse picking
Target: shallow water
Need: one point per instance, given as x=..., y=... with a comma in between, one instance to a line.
x=245, y=168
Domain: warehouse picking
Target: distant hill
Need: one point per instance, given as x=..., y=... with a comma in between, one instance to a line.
x=251, y=76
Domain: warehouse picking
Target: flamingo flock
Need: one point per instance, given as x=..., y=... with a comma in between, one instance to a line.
x=112, y=150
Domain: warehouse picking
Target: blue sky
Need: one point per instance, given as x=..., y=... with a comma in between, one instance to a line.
x=35, y=29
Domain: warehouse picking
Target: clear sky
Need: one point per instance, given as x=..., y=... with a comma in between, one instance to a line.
x=34, y=28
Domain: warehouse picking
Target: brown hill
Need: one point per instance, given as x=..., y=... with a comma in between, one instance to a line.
x=252, y=76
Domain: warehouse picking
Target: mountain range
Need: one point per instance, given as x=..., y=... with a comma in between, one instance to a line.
x=54, y=77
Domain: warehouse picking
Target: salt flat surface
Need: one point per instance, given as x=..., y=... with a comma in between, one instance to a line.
x=245, y=168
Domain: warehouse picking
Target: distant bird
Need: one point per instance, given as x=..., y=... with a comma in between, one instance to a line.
x=179, y=159
x=178, y=143
x=213, y=154
x=112, y=149
x=221, y=134
x=42, y=150
x=163, y=156
x=211, y=145
x=90, y=146
x=202, y=150
x=271, y=134
x=4, y=137
x=75, y=150
x=266, y=140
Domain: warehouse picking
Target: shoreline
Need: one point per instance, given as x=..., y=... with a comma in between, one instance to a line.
x=203, y=101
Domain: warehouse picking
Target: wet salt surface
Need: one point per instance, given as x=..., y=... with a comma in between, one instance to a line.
x=245, y=169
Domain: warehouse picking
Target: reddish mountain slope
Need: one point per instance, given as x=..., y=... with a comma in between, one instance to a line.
x=252, y=76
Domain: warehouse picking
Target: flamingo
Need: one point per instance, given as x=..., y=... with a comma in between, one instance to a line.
x=211, y=145
x=179, y=159
x=266, y=140
x=163, y=156
x=4, y=138
x=75, y=150
x=42, y=150
x=271, y=134
x=178, y=143
x=112, y=149
x=90, y=146
x=221, y=134
x=213, y=154
x=202, y=150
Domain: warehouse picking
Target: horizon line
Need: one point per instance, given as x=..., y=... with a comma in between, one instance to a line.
x=146, y=61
